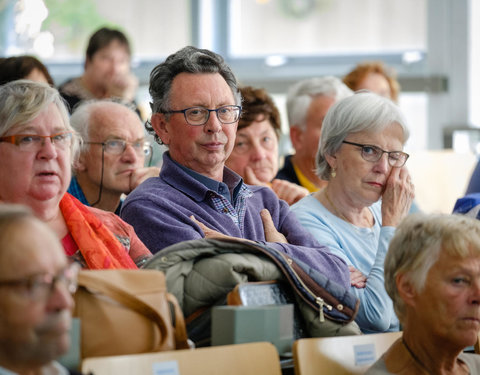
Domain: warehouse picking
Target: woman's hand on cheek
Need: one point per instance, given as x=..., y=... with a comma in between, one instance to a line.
x=397, y=197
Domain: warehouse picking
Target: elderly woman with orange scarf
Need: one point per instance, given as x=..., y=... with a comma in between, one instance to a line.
x=37, y=148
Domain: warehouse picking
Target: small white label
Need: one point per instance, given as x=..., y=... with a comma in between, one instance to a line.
x=364, y=354
x=165, y=368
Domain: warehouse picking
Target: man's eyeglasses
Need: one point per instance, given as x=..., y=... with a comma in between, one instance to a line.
x=34, y=142
x=39, y=287
x=196, y=116
x=373, y=154
x=118, y=147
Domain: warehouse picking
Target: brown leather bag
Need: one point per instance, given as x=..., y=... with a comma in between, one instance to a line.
x=127, y=312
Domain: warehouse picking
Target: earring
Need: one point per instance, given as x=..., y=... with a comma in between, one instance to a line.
x=333, y=173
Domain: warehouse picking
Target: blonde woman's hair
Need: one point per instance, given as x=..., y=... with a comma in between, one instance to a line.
x=417, y=244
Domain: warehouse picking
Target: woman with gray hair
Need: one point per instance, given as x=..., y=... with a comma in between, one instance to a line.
x=37, y=148
x=432, y=274
x=368, y=193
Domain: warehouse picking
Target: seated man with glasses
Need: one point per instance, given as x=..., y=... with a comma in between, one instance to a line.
x=112, y=156
x=36, y=286
x=196, y=108
x=369, y=192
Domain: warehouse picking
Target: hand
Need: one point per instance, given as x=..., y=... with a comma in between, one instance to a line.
x=252, y=179
x=141, y=174
x=288, y=191
x=211, y=233
x=397, y=197
x=123, y=86
x=271, y=233
x=285, y=190
x=357, y=279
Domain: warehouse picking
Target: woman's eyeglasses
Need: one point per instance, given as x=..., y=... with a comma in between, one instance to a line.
x=373, y=154
x=34, y=142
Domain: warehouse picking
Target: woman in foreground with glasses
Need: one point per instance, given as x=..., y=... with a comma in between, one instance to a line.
x=37, y=148
x=368, y=194
x=255, y=154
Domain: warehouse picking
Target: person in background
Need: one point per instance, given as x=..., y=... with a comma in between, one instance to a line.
x=374, y=76
x=307, y=104
x=196, y=108
x=106, y=71
x=37, y=148
x=369, y=192
x=112, y=154
x=36, y=283
x=255, y=153
x=24, y=67
x=432, y=274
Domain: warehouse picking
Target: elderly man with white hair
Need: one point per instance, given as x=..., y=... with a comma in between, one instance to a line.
x=112, y=157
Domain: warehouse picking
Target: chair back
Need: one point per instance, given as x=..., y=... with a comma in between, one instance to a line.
x=251, y=358
x=440, y=178
x=343, y=355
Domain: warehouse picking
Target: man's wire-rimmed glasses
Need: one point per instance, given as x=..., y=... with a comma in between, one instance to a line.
x=39, y=287
x=34, y=142
x=373, y=154
x=118, y=147
x=197, y=116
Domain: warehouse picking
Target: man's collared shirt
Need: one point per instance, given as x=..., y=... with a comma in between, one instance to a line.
x=228, y=196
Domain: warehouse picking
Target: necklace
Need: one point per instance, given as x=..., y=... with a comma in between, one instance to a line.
x=337, y=212
x=415, y=358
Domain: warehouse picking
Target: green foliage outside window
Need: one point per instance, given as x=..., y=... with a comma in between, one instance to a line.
x=73, y=21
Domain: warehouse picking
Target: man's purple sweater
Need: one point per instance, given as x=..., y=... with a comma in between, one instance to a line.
x=160, y=209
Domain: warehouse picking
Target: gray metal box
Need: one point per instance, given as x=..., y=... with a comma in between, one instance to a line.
x=241, y=324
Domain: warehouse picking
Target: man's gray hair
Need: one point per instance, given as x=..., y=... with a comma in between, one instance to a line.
x=301, y=94
x=187, y=60
x=363, y=111
x=23, y=100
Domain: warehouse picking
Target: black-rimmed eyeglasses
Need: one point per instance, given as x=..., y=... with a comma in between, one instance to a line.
x=373, y=154
x=197, y=116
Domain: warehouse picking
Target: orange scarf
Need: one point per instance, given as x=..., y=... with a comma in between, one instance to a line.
x=98, y=245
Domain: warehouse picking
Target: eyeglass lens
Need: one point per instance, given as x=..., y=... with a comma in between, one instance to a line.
x=199, y=115
x=118, y=146
x=373, y=154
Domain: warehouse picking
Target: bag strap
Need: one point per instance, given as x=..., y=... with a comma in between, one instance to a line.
x=181, y=337
x=129, y=300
